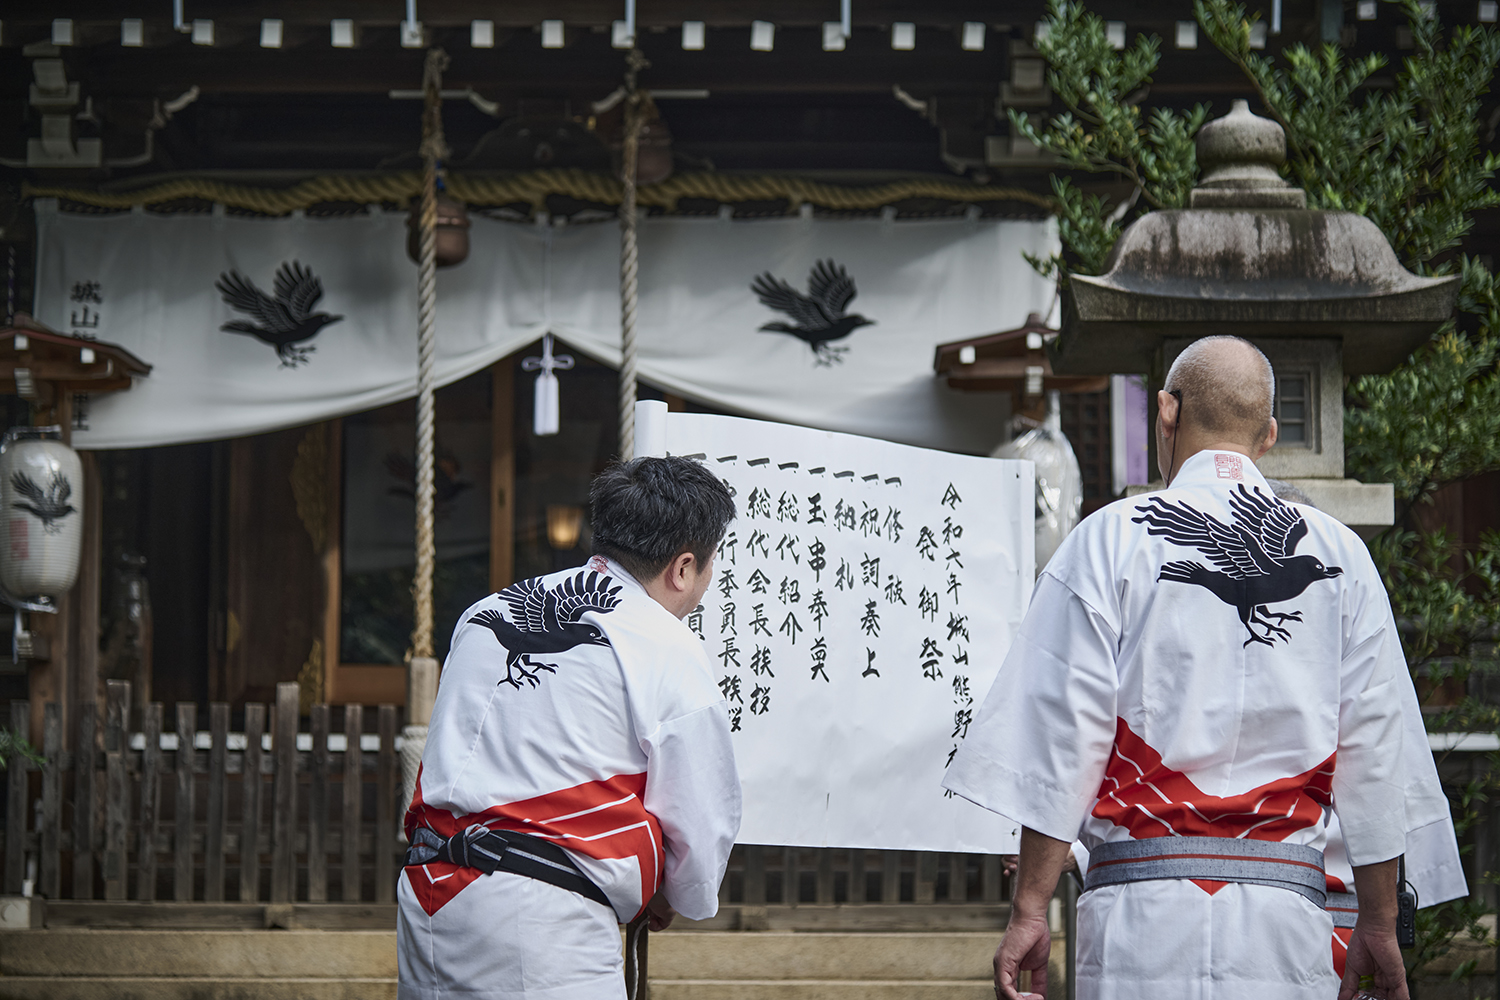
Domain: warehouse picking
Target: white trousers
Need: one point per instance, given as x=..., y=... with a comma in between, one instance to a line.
x=1168, y=939
x=508, y=937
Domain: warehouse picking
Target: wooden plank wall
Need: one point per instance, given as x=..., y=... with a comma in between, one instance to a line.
x=208, y=816
x=211, y=816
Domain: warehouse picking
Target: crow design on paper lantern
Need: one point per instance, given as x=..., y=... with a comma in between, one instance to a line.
x=1254, y=555
x=284, y=321
x=48, y=505
x=819, y=316
x=544, y=620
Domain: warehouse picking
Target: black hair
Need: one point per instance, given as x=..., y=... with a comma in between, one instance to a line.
x=649, y=510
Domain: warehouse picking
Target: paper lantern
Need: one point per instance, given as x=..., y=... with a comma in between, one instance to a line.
x=41, y=495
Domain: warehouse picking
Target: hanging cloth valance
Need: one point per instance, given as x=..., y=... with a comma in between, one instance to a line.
x=180, y=291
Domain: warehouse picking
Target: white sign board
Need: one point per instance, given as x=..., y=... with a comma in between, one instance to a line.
x=862, y=602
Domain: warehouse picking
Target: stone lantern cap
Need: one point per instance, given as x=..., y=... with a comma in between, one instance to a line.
x=1247, y=259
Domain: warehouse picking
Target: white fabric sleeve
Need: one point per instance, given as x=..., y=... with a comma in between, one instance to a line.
x=1038, y=749
x=1433, y=866
x=1369, y=777
x=693, y=789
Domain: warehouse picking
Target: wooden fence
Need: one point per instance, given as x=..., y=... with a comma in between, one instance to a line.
x=184, y=814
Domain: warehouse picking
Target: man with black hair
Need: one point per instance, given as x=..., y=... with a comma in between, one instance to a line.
x=578, y=770
x=1205, y=675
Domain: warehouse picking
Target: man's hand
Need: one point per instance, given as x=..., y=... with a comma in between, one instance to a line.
x=1374, y=952
x=1028, y=938
x=659, y=913
x=1027, y=945
x=1372, y=947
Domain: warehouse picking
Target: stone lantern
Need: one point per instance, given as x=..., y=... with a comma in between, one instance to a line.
x=1321, y=293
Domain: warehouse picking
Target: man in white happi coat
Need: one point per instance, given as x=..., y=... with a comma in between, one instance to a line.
x=578, y=769
x=1203, y=675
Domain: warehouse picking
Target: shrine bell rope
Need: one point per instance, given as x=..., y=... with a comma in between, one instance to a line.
x=433, y=150
x=533, y=189
x=629, y=251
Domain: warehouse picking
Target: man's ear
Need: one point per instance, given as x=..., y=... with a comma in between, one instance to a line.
x=678, y=570
x=1269, y=441
x=1166, y=409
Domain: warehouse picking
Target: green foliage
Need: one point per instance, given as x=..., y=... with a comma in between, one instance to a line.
x=12, y=745
x=1432, y=421
x=1102, y=131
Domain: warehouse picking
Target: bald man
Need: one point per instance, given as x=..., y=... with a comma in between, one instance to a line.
x=1204, y=674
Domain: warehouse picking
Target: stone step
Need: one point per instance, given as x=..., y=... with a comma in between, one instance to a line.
x=192, y=988
x=713, y=955
x=285, y=955
x=820, y=989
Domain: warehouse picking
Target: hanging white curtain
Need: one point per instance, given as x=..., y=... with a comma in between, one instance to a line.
x=156, y=284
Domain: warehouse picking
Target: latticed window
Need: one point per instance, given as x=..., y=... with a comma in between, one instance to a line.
x=1294, y=409
x=1085, y=420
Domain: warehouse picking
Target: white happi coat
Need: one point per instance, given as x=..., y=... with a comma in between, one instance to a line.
x=609, y=738
x=1203, y=661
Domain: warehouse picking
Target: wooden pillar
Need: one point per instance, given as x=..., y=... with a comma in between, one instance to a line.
x=503, y=474
x=333, y=560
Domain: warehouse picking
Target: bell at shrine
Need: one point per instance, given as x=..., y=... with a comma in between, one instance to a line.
x=1320, y=292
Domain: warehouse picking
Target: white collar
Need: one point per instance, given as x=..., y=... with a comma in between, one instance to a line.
x=1212, y=466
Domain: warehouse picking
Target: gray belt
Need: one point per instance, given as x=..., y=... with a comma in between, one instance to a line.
x=1221, y=859
x=1343, y=907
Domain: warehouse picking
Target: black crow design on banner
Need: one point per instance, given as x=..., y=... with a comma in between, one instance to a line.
x=48, y=505
x=284, y=321
x=1254, y=556
x=548, y=621
x=819, y=316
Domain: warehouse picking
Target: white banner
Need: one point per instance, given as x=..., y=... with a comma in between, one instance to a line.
x=861, y=605
x=228, y=311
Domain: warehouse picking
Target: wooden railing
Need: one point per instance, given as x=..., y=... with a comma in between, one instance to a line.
x=184, y=814
x=281, y=816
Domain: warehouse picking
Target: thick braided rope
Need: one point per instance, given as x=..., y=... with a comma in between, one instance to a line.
x=533, y=189
x=432, y=149
x=629, y=277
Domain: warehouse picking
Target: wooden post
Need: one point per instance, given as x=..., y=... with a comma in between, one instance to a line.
x=182, y=805
x=857, y=879
x=386, y=818
x=924, y=878
x=791, y=876
x=83, y=802
x=15, y=802
x=353, y=803
x=84, y=600
x=825, y=876
x=333, y=562
x=502, y=474
x=958, y=878
x=989, y=879
x=51, y=832
x=284, y=807
x=250, y=786
x=116, y=789
x=890, y=887
x=317, y=809
x=755, y=875
x=145, y=879
x=217, y=818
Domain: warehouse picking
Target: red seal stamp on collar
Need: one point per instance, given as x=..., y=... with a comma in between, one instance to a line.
x=1229, y=466
x=598, y=565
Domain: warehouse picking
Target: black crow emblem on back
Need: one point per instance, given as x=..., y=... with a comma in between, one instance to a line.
x=819, y=316
x=1254, y=555
x=48, y=505
x=548, y=620
x=283, y=321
